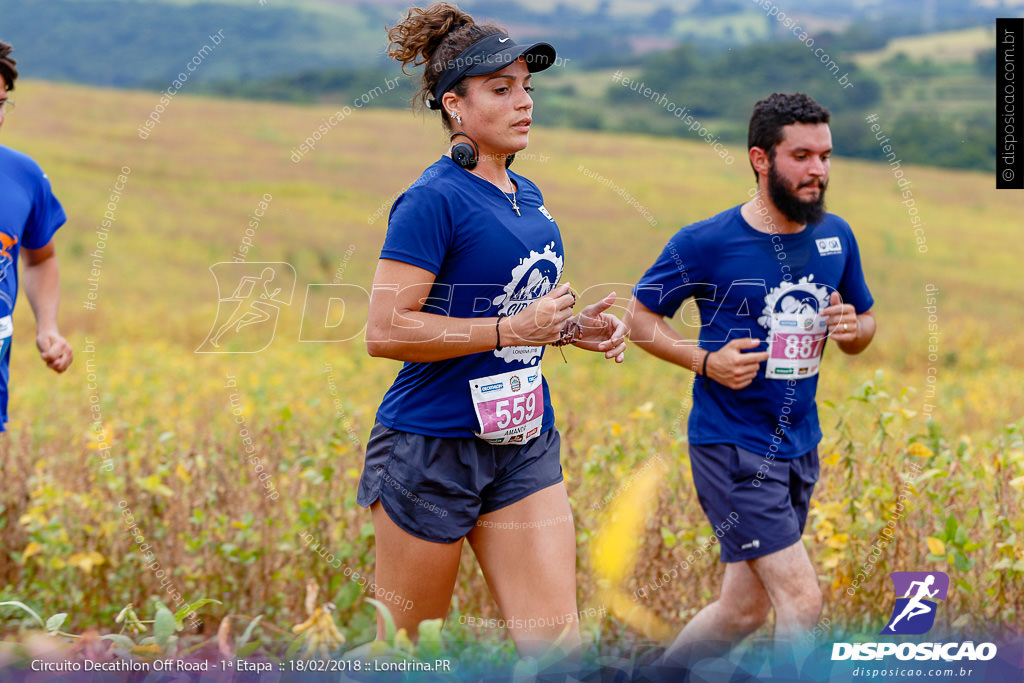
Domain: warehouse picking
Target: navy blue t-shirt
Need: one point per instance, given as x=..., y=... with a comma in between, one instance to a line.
x=487, y=261
x=29, y=216
x=742, y=280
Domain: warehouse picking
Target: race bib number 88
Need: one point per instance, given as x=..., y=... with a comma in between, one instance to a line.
x=509, y=407
x=795, y=343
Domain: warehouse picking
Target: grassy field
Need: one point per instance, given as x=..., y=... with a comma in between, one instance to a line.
x=944, y=47
x=176, y=455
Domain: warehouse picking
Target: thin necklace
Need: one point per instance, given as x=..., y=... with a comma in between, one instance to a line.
x=515, y=206
x=512, y=201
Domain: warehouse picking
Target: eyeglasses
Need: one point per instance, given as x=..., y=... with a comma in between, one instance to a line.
x=6, y=105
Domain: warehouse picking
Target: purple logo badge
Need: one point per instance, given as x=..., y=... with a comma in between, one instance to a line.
x=917, y=596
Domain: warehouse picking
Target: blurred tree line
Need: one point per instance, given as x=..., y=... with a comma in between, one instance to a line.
x=130, y=44
x=719, y=89
x=723, y=88
x=279, y=53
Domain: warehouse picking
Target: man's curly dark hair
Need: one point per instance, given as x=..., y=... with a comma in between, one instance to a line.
x=778, y=110
x=7, y=65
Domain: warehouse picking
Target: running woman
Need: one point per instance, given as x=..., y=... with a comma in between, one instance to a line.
x=467, y=293
x=773, y=279
x=29, y=216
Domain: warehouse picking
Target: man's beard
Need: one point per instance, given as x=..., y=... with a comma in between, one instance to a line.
x=791, y=206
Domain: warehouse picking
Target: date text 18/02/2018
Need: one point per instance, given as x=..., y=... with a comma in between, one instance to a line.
x=370, y=665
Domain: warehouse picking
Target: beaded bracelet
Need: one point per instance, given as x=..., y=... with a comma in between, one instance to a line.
x=570, y=334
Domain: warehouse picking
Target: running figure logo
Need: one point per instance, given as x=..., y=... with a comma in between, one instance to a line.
x=247, y=319
x=914, y=613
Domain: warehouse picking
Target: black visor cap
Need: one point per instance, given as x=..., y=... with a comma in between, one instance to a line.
x=490, y=54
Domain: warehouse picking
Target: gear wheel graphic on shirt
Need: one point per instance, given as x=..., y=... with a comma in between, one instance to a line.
x=535, y=276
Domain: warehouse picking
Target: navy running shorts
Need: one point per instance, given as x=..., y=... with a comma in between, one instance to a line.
x=436, y=488
x=753, y=515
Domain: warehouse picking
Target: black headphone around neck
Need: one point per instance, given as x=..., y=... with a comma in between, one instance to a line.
x=467, y=154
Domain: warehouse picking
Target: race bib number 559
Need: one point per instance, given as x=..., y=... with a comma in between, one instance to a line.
x=795, y=343
x=510, y=406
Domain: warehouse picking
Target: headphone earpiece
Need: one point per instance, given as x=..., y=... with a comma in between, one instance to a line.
x=465, y=154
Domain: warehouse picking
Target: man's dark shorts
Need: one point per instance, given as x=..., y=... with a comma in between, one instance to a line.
x=753, y=515
x=436, y=488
